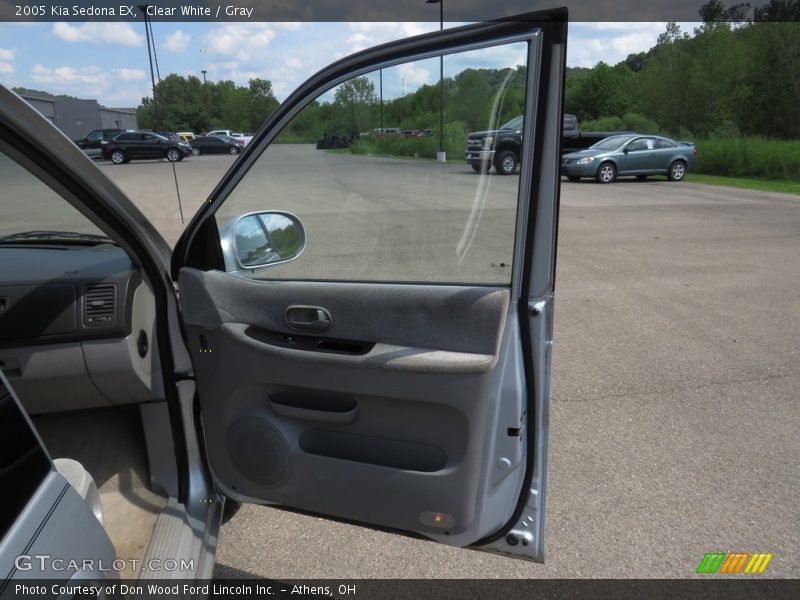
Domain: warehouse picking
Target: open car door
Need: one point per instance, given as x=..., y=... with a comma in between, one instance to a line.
x=376, y=347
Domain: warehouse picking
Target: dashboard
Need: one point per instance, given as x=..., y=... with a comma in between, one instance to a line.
x=76, y=327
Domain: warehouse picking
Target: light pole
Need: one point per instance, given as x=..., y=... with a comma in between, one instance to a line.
x=381, y=86
x=441, y=155
x=204, y=76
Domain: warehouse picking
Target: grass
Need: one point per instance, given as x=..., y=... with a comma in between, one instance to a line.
x=763, y=185
x=749, y=157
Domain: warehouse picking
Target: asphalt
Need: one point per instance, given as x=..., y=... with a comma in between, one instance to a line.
x=676, y=374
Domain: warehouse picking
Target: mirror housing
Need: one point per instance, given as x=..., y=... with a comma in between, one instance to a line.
x=258, y=240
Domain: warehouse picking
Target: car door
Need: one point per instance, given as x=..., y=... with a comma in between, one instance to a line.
x=639, y=156
x=152, y=146
x=392, y=366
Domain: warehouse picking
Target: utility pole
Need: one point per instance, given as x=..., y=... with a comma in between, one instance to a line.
x=143, y=8
x=381, y=88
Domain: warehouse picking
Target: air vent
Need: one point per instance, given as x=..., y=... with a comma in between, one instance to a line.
x=99, y=303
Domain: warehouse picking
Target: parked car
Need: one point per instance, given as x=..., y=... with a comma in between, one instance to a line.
x=186, y=136
x=91, y=142
x=244, y=137
x=631, y=155
x=186, y=381
x=134, y=145
x=502, y=148
x=209, y=144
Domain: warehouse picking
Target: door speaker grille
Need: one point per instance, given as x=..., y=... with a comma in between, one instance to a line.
x=259, y=452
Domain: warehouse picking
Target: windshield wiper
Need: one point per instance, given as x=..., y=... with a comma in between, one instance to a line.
x=56, y=237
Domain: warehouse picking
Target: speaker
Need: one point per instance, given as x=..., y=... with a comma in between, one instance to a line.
x=259, y=452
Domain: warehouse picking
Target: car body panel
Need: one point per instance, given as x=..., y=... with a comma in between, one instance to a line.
x=42, y=514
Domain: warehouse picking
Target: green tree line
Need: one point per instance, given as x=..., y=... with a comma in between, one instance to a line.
x=188, y=104
x=469, y=98
x=723, y=80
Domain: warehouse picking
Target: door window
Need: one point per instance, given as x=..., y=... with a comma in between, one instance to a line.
x=379, y=206
x=641, y=144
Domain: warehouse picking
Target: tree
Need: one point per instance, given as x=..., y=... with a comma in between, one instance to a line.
x=355, y=98
x=262, y=102
x=186, y=103
x=601, y=93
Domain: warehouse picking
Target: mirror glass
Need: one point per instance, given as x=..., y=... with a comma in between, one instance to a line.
x=266, y=238
x=285, y=234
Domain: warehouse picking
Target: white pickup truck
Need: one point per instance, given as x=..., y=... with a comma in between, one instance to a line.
x=244, y=137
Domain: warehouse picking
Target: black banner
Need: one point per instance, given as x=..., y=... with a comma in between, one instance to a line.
x=709, y=588
x=455, y=11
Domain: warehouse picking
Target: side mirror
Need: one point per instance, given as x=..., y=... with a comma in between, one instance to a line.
x=262, y=239
x=625, y=150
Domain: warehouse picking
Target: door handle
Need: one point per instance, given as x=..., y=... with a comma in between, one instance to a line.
x=308, y=318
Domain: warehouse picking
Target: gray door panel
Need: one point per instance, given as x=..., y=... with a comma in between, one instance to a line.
x=397, y=314
x=403, y=424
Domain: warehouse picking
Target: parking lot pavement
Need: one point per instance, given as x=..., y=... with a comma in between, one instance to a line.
x=676, y=380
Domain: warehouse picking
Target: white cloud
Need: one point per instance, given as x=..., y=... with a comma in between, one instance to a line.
x=239, y=40
x=98, y=33
x=125, y=74
x=6, y=68
x=67, y=75
x=178, y=41
x=414, y=74
x=6, y=55
x=366, y=35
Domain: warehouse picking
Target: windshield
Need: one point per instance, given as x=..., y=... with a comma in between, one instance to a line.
x=611, y=143
x=32, y=212
x=515, y=123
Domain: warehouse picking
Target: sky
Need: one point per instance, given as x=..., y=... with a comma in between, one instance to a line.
x=108, y=61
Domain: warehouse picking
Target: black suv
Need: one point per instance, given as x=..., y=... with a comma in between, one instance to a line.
x=90, y=143
x=133, y=145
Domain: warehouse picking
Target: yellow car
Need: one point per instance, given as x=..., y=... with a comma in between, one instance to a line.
x=186, y=136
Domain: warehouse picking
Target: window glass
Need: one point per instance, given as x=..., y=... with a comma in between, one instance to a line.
x=30, y=205
x=95, y=135
x=641, y=144
x=376, y=204
x=664, y=144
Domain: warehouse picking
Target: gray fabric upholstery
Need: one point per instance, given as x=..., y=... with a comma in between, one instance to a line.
x=435, y=317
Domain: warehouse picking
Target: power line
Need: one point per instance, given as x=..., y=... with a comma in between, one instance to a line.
x=155, y=54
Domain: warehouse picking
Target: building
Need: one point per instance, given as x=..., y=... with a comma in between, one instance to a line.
x=76, y=117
